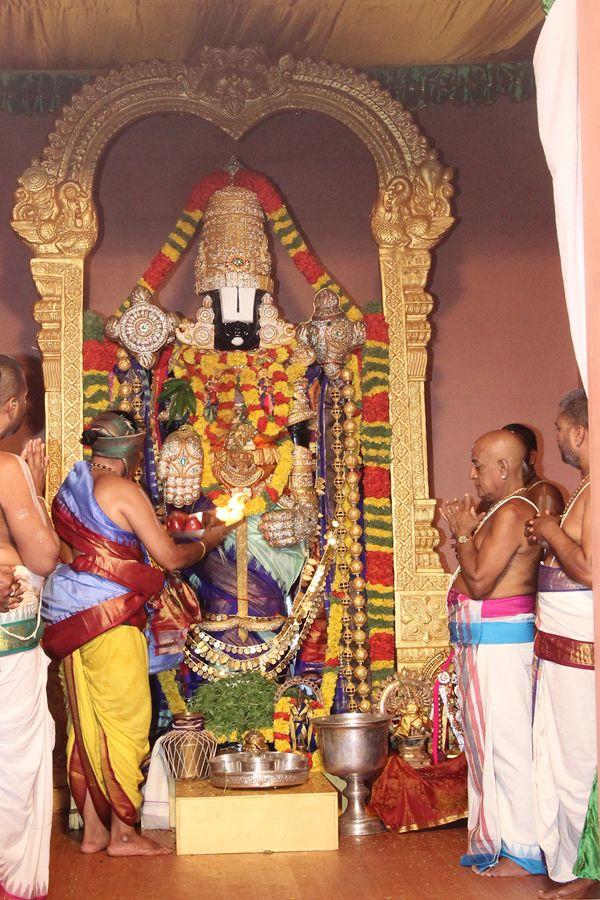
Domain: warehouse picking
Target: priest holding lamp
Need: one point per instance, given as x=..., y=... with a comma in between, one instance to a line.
x=94, y=605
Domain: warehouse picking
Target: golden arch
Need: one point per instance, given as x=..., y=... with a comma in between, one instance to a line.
x=235, y=89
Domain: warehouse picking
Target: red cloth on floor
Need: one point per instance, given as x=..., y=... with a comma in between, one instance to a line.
x=407, y=799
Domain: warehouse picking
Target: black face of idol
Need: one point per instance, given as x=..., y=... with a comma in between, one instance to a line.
x=236, y=335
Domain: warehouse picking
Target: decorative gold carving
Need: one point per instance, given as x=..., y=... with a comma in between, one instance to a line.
x=329, y=333
x=236, y=89
x=273, y=330
x=201, y=333
x=413, y=210
x=233, y=250
x=143, y=329
x=54, y=218
x=180, y=465
x=420, y=585
x=300, y=408
x=59, y=283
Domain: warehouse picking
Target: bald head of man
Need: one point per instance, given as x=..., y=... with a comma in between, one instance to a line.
x=498, y=465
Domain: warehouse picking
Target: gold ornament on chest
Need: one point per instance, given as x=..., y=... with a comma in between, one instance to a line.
x=241, y=464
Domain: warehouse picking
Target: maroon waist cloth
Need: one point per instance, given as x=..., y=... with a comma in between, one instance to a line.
x=564, y=651
x=120, y=563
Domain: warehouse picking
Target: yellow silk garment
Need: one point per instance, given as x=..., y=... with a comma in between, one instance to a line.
x=109, y=702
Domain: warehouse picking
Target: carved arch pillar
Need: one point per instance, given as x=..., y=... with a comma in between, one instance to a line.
x=420, y=583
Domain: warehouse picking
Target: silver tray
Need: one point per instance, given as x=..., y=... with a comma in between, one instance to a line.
x=258, y=770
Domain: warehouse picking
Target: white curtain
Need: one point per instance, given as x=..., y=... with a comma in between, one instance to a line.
x=555, y=64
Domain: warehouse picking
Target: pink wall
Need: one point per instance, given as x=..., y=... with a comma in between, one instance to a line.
x=500, y=350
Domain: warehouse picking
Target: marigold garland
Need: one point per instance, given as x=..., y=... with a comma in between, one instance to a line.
x=216, y=375
x=282, y=725
x=170, y=689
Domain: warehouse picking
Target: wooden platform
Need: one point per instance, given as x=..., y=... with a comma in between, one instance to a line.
x=210, y=820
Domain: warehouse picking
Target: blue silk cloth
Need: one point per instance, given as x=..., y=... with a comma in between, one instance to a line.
x=272, y=573
x=67, y=592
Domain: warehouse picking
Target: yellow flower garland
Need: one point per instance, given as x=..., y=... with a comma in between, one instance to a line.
x=168, y=684
x=229, y=369
x=223, y=371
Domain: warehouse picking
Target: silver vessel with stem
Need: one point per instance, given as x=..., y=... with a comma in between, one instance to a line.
x=354, y=747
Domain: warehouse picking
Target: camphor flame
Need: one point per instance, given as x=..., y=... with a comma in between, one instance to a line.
x=233, y=511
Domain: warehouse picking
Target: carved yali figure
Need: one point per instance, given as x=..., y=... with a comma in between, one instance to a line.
x=330, y=334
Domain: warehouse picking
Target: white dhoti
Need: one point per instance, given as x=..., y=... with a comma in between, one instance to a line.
x=26, y=742
x=564, y=732
x=493, y=659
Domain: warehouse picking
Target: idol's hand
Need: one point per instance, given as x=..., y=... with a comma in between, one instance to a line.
x=540, y=529
x=286, y=527
x=34, y=454
x=11, y=589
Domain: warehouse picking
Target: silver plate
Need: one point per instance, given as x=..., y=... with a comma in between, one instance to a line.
x=258, y=770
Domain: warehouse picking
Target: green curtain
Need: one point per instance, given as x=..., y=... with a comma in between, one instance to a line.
x=39, y=92
x=28, y=93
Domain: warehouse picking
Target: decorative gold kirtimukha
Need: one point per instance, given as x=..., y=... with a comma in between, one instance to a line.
x=143, y=329
x=233, y=248
x=179, y=467
x=240, y=464
x=329, y=333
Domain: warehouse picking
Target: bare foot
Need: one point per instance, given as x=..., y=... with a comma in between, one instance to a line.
x=94, y=846
x=506, y=868
x=96, y=836
x=577, y=888
x=135, y=845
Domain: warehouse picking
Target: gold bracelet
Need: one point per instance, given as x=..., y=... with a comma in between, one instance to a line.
x=203, y=545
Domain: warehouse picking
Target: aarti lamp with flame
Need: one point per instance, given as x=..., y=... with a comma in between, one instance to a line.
x=233, y=511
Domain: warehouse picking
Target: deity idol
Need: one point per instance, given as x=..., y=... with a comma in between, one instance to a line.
x=243, y=432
